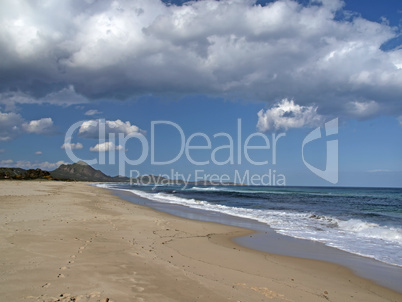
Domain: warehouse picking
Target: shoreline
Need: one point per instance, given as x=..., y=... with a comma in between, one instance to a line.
x=261, y=236
x=65, y=240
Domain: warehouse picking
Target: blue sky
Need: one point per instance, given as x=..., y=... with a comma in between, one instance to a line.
x=282, y=67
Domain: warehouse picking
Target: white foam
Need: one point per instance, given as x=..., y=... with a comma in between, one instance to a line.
x=356, y=236
x=208, y=189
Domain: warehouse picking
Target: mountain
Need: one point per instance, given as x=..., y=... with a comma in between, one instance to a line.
x=81, y=171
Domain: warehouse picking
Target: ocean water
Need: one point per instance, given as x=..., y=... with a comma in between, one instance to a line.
x=362, y=221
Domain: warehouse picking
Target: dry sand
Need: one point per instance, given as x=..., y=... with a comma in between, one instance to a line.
x=75, y=242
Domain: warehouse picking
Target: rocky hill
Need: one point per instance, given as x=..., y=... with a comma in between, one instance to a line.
x=81, y=171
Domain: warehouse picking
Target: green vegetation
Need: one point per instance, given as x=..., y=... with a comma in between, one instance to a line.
x=18, y=173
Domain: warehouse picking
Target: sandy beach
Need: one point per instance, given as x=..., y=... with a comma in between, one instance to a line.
x=74, y=242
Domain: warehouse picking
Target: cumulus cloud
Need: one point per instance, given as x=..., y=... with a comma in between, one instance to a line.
x=286, y=114
x=90, y=129
x=38, y=153
x=78, y=50
x=92, y=112
x=25, y=164
x=10, y=125
x=72, y=146
x=105, y=147
x=13, y=124
x=42, y=126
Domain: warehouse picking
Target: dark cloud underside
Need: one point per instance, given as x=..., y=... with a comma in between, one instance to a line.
x=75, y=51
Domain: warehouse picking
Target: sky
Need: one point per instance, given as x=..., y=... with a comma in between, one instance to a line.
x=238, y=89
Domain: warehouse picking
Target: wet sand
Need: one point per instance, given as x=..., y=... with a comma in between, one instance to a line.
x=268, y=240
x=74, y=242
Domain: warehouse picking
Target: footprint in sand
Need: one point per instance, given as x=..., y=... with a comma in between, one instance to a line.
x=94, y=295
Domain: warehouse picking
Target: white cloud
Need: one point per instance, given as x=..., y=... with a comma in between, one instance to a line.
x=10, y=125
x=38, y=153
x=362, y=109
x=380, y=171
x=42, y=126
x=49, y=166
x=6, y=162
x=90, y=129
x=72, y=146
x=25, y=164
x=92, y=112
x=64, y=97
x=99, y=50
x=105, y=147
x=13, y=124
x=286, y=114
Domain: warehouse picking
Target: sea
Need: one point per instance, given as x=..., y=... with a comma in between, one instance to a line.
x=361, y=221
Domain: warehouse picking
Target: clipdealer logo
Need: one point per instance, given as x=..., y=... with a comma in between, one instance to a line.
x=330, y=173
x=238, y=151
